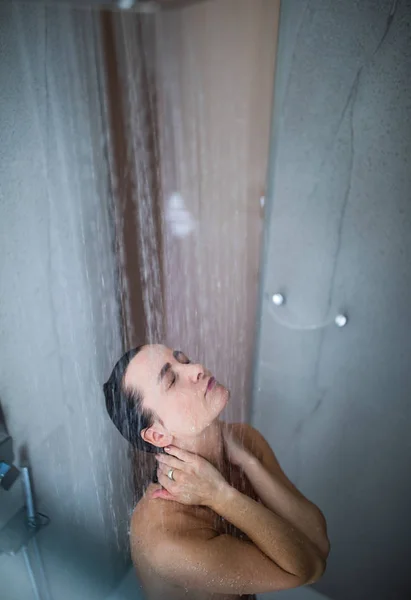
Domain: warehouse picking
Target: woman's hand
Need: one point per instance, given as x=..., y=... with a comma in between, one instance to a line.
x=196, y=481
x=237, y=454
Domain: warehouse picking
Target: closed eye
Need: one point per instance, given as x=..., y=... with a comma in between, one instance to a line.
x=172, y=382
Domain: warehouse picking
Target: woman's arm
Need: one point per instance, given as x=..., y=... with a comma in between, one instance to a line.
x=279, y=495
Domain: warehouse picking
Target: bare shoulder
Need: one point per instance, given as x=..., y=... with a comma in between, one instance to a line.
x=265, y=454
x=250, y=437
x=153, y=519
x=151, y=515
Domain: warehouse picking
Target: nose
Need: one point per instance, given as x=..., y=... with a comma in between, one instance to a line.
x=196, y=372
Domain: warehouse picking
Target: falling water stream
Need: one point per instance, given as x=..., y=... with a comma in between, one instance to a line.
x=67, y=308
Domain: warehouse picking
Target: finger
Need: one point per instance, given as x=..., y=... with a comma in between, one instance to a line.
x=165, y=481
x=164, y=494
x=184, y=455
x=165, y=469
x=170, y=461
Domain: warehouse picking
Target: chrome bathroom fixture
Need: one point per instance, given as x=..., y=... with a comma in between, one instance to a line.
x=8, y=475
x=278, y=299
x=294, y=321
x=341, y=320
x=8, y=472
x=22, y=528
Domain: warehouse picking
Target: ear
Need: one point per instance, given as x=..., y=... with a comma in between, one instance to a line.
x=156, y=438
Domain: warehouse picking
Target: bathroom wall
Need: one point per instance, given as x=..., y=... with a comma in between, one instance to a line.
x=334, y=403
x=59, y=322
x=128, y=41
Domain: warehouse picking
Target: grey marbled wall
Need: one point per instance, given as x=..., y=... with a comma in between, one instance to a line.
x=335, y=404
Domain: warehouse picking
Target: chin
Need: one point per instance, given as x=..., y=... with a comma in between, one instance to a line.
x=226, y=394
x=220, y=399
x=224, y=397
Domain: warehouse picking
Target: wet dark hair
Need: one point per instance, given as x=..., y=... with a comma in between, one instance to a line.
x=125, y=406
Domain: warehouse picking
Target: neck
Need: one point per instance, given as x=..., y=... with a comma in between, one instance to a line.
x=208, y=445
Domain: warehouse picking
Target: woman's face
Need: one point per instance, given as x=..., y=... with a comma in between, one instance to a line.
x=183, y=393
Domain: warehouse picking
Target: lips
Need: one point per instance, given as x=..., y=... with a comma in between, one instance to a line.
x=210, y=384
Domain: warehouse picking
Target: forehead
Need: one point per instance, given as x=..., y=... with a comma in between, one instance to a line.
x=147, y=364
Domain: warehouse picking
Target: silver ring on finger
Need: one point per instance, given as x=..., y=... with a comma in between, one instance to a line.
x=170, y=474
